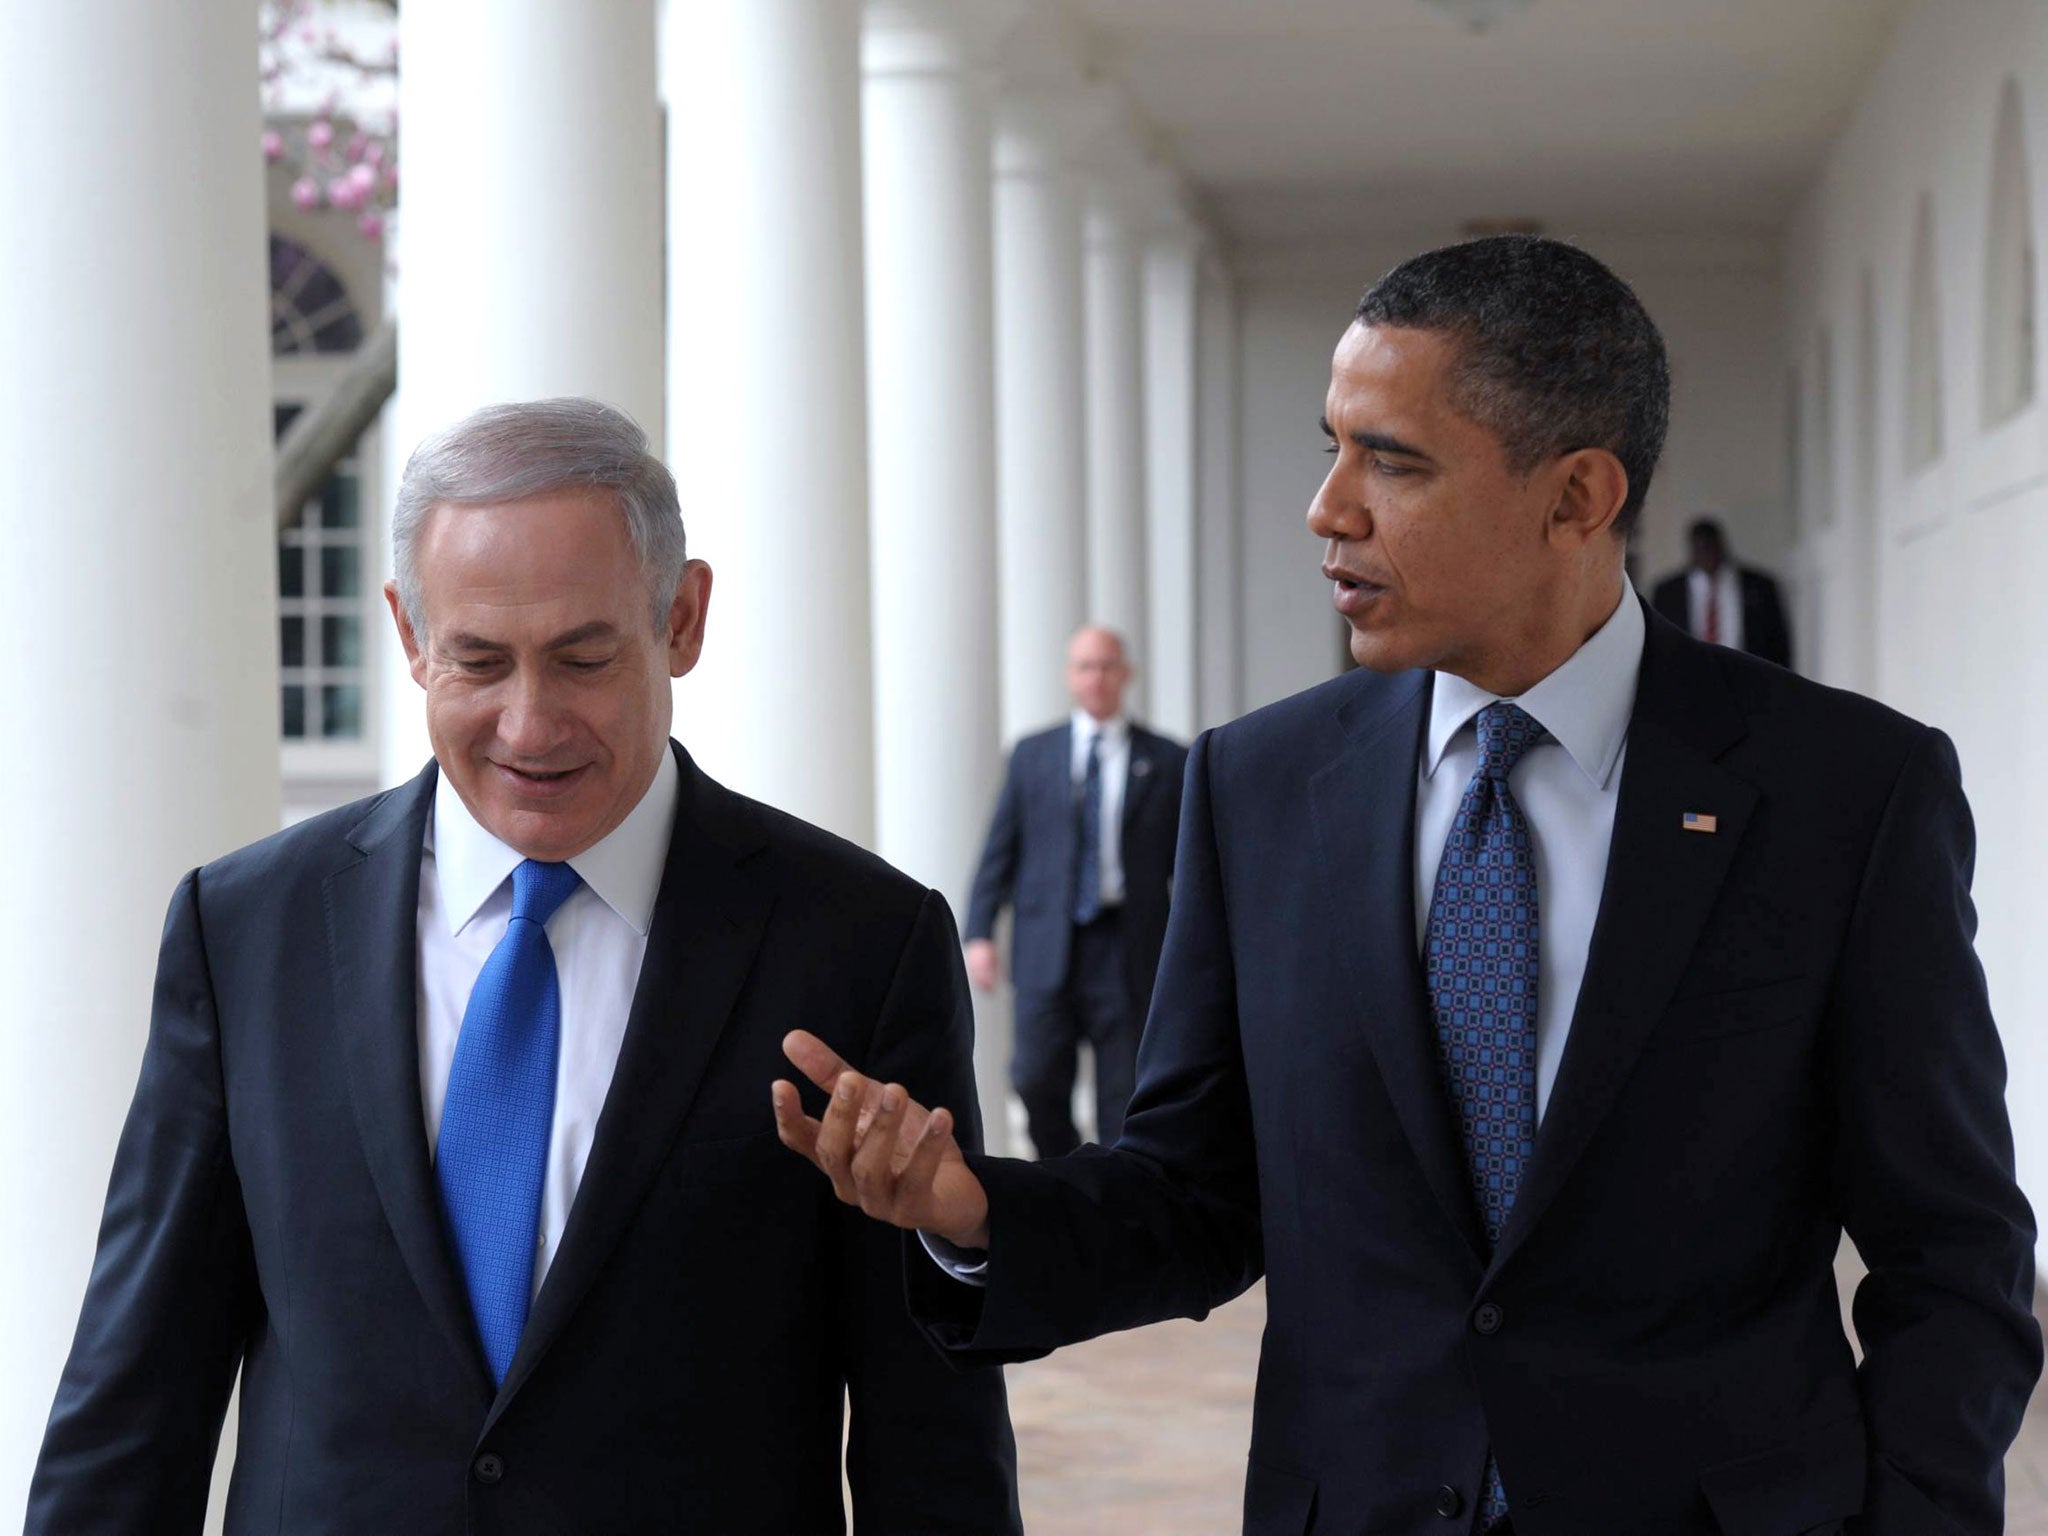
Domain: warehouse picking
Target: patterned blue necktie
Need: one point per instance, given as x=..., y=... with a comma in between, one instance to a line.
x=1481, y=954
x=500, y=1108
x=1088, y=855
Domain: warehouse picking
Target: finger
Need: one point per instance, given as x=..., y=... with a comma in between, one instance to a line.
x=813, y=1057
x=870, y=1104
x=915, y=1186
x=799, y=1132
x=874, y=1162
x=835, y=1146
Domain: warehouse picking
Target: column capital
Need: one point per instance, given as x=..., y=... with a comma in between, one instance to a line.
x=933, y=37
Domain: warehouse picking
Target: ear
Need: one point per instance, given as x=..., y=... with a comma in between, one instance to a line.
x=415, y=653
x=1591, y=494
x=686, y=617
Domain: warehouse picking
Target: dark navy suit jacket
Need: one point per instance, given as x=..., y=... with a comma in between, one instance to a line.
x=1028, y=859
x=1765, y=631
x=1783, y=1032
x=686, y=1361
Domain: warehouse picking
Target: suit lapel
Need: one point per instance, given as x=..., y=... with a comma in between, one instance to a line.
x=707, y=924
x=1364, y=807
x=1143, y=770
x=1661, y=885
x=372, y=907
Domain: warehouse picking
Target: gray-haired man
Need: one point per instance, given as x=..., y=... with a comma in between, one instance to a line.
x=450, y=1131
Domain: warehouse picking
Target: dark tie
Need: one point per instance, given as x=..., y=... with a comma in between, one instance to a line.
x=1088, y=837
x=493, y=1151
x=1481, y=952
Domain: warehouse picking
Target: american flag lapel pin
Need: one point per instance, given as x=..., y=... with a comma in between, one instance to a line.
x=1699, y=821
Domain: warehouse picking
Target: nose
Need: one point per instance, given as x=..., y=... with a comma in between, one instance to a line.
x=1336, y=511
x=529, y=725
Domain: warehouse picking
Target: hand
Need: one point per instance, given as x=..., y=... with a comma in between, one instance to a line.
x=984, y=967
x=883, y=1151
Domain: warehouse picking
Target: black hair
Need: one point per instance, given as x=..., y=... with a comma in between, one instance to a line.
x=1557, y=353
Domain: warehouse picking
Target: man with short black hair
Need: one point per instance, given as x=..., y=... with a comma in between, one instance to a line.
x=1723, y=603
x=1540, y=1004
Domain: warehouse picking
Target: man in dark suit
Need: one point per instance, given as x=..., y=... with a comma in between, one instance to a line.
x=1723, y=603
x=449, y=1133
x=1081, y=847
x=1547, y=1210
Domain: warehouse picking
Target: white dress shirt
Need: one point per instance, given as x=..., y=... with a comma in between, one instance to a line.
x=1724, y=588
x=1115, y=769
x=1566, y=786
x=599, y=936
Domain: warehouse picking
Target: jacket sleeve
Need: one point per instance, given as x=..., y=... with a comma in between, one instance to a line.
x=1166, y=1223
x=1924, y=1174
x=995, y=877
x=930, y=1448
x=131, y=1441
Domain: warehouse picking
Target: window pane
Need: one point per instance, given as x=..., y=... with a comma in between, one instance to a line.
x=291, y=571
x=341, y=640
x=339, y=499
x=292, y=653
x=294, y=710
x=340, y=570
x=341, y=710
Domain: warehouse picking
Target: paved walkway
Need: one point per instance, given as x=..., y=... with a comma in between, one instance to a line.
x=1145, y=1433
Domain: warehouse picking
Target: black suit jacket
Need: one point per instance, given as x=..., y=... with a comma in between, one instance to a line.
x=1783, y=1031
x=1765, y=631
x=273, y=1206
x=1028, y=859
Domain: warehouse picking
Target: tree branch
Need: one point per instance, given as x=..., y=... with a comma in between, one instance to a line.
x=322, y=435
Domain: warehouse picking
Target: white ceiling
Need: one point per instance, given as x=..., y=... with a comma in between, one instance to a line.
x=1315, y=121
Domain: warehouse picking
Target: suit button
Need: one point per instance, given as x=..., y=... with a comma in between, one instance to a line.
x=1488, y=1318
x=490, y=1467
x=1449, y=1502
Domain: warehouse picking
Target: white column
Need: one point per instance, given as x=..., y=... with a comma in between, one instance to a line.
x=138, y=611
x=1042, y=485
x=1114, y=317
x=1219, y=638
x=1169, y=278
x=529, y=246
x=767, y=406
x=932, y=450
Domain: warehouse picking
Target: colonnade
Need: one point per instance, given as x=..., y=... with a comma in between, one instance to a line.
x=937, y=352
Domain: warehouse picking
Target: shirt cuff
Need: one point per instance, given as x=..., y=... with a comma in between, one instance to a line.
x=967, y=1265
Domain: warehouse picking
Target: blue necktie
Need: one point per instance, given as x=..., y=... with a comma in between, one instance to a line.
x=1481, y=953
x=500, y=1108
x=1088, y=854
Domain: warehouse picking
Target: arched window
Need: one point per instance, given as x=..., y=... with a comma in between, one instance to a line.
x=2009, y=270
x=310, y=310
x=1923, y=436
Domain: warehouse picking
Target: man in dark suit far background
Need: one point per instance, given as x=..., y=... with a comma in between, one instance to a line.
x=1541, y=1003
x=1081, y=848
x=1723, y=603
x=449, y=1136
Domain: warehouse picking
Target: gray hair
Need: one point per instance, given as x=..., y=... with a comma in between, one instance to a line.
x=530, y=448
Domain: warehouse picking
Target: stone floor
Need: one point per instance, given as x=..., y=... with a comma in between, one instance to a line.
x=1145, y=1433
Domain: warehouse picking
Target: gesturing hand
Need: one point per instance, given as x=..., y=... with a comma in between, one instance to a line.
x=883, y=1151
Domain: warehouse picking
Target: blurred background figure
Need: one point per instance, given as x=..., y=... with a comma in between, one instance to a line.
x=1081, y=847
x=1716, y=600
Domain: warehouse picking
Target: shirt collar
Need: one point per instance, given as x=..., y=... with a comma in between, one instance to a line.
x=624, y=867
x=1585, y=704
x=1113, y=730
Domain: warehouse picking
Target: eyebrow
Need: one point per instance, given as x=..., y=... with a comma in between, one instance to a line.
x=1378, y=442
x=597, y=629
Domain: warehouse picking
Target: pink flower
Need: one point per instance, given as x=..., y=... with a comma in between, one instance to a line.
x=373, y=153
x=372, y=226
x=342, y=193
x=321, y=134
x=306, y=193
x=273, y=143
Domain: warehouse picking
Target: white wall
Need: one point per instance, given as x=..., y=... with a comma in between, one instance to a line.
x=1717, y=300
x=1941, y=570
